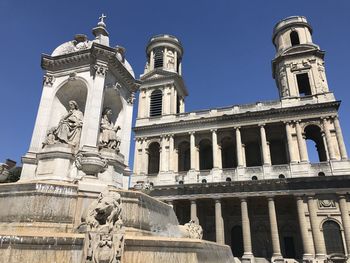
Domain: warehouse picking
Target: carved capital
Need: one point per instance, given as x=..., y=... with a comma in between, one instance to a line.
x=48, y=80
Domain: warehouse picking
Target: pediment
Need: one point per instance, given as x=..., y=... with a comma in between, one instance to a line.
x=156, y=74
x=299, y=49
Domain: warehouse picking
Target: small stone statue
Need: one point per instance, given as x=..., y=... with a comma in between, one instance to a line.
x=105, y=230
x=68, y=129
x=191, y=230
x=108, y=135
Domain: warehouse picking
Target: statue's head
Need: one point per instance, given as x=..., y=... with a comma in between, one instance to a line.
x=107, y=111
x=73, y=105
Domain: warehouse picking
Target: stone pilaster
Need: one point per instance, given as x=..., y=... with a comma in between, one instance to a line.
x=307, y=241
x=219, y=223
x=247, y=240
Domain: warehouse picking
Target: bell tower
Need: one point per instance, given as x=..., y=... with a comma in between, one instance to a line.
x=298, y=66
x=162, y=90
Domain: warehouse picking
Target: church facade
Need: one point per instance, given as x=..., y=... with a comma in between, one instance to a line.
x=243, y=172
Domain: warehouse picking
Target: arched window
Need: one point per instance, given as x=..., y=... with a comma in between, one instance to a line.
x=156, y=103
x=228, y=153
x=158, y=58
x=205, y=155
x=332, y=237
x=184, y=156
x=153, y=158
x=294, y=38
x=315, y=145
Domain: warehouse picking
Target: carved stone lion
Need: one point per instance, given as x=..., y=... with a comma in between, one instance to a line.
x=104, y=212
x=105, y=230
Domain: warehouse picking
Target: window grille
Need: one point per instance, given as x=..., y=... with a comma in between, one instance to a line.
x=156, y=103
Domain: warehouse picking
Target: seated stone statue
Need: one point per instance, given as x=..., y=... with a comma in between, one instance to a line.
x=108, y=133
x=68, y=129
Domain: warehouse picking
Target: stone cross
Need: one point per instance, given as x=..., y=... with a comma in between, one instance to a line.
x=102, y=17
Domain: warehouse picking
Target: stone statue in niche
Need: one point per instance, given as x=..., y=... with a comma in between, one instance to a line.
x=68, y=129
x=108, y=132
x=105, y=231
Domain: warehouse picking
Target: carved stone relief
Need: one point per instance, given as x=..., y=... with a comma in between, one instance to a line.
x=326, y=204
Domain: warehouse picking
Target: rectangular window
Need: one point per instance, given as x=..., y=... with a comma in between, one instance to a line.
x=303, y=84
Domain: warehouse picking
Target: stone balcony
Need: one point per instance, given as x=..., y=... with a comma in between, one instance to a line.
x=267, y=172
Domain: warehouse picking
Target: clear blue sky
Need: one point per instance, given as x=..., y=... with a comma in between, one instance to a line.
x=227, y=45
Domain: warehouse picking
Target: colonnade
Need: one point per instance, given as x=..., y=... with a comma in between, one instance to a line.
x=295, y=141
x=307, y=210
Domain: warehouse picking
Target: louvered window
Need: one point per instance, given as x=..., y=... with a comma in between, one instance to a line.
x=156, y=103
x=158, y=58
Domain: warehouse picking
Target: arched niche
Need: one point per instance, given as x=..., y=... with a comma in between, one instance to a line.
x=113, y=101
x=73, y=90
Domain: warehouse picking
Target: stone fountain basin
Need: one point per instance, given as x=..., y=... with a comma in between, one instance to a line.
x=57, y=248
x=39, y=221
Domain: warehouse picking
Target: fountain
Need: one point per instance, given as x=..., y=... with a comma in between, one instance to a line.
x=70, y=205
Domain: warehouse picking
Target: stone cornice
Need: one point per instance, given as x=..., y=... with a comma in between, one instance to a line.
x=158, y=75
x=291, y=186
x=89, y=57
x=247, y=118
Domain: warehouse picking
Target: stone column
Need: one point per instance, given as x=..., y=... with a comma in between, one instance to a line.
x=193, y=151
x=340, y=139
x=194, y=216
x=290, y=143
x=215, y=148
x=307, y=241
x=328, y=139
x=320, y=247
x=145, y=156
x=345, y=219
x=171, y=158
x=219, y=223
x=239, y=147
x=276, y=249
x=301, y=143
x=247, y=240
x=265, y=151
